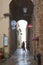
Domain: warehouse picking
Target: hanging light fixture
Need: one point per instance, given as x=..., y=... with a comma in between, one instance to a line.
x=25, y=9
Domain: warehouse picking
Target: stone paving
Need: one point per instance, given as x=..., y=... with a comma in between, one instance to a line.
x=20, y=57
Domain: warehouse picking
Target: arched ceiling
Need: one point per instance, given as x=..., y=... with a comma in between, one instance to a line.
x=23, y=2
x=16, y=9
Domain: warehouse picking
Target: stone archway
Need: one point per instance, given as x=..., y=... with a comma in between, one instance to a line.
x=21, y=9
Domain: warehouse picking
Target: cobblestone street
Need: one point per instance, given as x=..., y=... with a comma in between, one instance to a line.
x=20, y=57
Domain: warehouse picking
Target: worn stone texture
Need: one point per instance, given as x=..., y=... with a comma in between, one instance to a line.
x=38, y=26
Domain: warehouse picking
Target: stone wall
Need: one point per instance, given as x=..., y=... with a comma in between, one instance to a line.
x=38, y=27
x=4, y=22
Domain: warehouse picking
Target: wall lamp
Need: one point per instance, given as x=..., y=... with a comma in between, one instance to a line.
x=7, y=15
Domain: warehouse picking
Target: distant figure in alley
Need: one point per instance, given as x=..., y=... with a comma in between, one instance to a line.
x=23, y=45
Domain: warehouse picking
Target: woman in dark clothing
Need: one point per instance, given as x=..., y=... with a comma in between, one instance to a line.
x=23, y=45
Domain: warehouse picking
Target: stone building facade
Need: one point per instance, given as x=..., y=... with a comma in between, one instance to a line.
x=38, y=28
x=4, y=24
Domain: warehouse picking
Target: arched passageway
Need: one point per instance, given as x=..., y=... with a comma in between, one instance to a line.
x=21, y=32
x=19, y=10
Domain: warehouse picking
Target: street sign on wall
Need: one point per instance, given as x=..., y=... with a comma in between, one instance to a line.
x=5, y=40
x=13, y=24
x=30, y=26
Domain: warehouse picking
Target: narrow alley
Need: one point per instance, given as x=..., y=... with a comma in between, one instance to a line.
x=20, y=57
